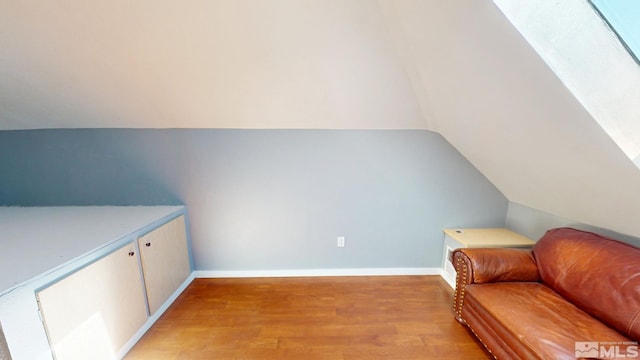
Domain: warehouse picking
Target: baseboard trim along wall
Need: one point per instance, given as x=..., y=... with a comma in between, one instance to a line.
x=316, y=272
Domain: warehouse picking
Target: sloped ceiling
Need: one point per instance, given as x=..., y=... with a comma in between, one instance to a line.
x=200, y=64
x=499, y=104
x=455, y=67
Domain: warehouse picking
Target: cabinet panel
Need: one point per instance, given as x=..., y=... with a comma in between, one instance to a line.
x=92, y=313
x=165, y=261
x=4, y=348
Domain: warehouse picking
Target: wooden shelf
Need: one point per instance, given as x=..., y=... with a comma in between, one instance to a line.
x=491, y=237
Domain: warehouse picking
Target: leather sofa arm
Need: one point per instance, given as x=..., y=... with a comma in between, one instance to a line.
x=484, y=265
x=496, y=264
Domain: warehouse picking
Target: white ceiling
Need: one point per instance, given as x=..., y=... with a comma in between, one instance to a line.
x=494, y=98
x=200, y=64
x=587, y=56
x=457, y=67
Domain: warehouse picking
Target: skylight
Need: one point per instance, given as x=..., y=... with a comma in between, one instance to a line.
x=623, y=16
x=590, y=45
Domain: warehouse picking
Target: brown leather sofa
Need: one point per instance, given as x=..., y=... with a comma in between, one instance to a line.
x=576, y=294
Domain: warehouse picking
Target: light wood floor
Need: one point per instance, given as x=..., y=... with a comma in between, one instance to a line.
x=334, y=318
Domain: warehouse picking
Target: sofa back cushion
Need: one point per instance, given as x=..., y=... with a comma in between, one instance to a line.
x=598, y=274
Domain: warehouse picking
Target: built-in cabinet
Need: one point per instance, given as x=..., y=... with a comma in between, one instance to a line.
x=105, y=292
x=92, y=313
x=165, y=261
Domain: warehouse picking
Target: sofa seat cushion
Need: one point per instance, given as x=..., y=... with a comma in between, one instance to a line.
x=527, y=320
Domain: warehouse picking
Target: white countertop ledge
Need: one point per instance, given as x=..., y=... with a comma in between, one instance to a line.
x=38, y=240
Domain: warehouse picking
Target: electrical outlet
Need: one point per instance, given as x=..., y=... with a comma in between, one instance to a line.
x=340, y=241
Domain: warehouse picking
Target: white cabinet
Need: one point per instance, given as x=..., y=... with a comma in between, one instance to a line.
x=165, y=261
x=76, y=288
x=92, y=313
x=477, y=238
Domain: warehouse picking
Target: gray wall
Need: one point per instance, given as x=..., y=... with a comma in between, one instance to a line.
x=534, y=223
x=266, y=199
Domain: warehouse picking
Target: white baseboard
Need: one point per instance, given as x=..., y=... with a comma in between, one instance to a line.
x=316, y=272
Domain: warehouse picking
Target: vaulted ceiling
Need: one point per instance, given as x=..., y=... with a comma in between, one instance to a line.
x=201, y=64
x=457, y=67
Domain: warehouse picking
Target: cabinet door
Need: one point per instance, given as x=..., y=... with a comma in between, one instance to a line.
x=92, y=313
x=4, y=348
x=165, y=261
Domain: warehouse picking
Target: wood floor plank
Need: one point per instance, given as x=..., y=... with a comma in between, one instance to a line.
x=336, y=318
